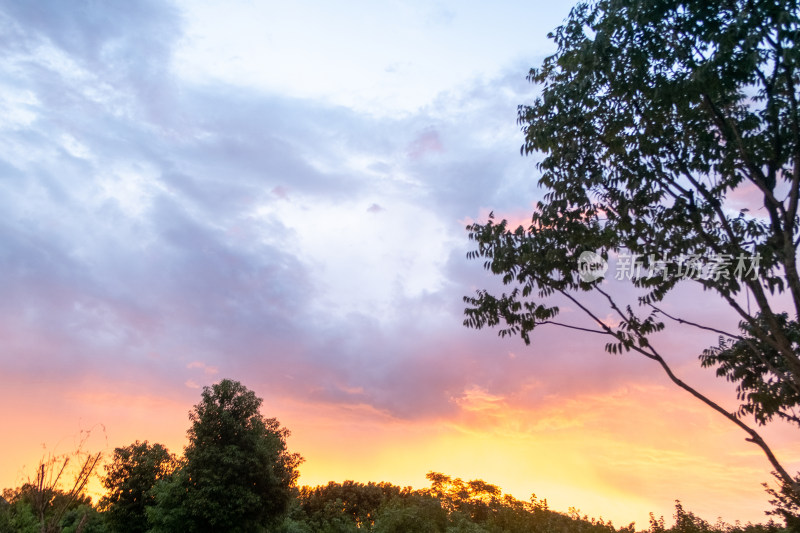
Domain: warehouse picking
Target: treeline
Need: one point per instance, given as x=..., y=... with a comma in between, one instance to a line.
x=454, y=506
x=236, y=475
x=448, y=506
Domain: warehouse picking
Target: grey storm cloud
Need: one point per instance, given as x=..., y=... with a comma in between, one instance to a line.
x=128, y=233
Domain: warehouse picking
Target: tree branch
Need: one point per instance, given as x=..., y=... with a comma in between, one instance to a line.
x=690, y=323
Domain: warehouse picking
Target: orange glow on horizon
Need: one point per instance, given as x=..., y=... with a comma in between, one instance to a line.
x=617, y=456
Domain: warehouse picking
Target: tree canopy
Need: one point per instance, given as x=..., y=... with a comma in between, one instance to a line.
x=237, y=474
x=655, y=119
x=130, y=477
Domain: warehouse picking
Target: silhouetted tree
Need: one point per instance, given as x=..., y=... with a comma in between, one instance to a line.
x=358, y=502
x=653, y=115
x=237, y=476
x=130, y=477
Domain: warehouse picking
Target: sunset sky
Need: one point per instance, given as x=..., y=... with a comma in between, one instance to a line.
x=277, y=193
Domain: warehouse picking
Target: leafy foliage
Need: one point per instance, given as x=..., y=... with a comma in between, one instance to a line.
x=358, y=503
x=237, y=476
x=64, y=513
x=759, y=371
x=653, y=116
x=449, y=505
x=416, y=513
x=129, y=481
x=785, y=503
x=54, y=500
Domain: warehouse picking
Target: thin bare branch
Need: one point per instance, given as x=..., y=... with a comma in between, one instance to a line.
x=578, y=328
x=694, y=324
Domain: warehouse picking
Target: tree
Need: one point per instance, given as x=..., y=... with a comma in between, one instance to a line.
x=40, y=506
x=475, y=499
x=355, y=503
x=55, y=499
x=653, y=116
x=415, y=513
x=66, y=514
x=130, y=477
x=238, y=475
